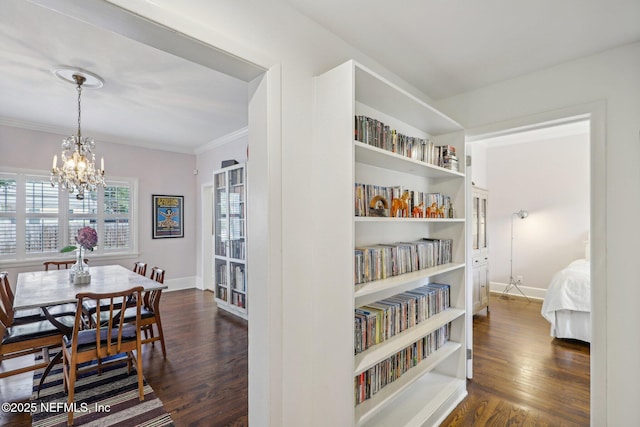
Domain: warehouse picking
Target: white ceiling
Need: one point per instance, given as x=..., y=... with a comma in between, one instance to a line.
x=149, y=97
x=156, y=99
x=447, y=47
x=536, y=134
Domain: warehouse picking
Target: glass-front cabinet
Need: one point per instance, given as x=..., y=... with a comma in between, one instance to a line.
x=480, y=254
x=479, y=220
x=230, y=240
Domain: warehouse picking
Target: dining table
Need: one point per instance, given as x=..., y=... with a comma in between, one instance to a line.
x=43, y=289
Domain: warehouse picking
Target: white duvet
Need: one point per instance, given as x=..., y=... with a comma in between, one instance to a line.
x=569, y=290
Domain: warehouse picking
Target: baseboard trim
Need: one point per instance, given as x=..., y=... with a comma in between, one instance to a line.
x=180, y=283
x=532, y=293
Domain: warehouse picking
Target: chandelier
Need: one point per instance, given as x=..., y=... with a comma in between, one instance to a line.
x=78, y=173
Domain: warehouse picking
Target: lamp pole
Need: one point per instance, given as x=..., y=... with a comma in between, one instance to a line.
x=522, y=214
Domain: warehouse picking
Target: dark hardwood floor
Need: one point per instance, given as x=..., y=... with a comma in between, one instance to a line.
x=203, y=380
x=522, y=377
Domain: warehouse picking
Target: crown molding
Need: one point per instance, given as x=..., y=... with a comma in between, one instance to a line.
x=225, y=139
x=60, y=130
x=111, y=139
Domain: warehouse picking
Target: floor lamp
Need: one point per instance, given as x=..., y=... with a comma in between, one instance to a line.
x=513, y=283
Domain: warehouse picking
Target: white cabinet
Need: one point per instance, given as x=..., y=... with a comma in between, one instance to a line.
x=429, y=387
x=229, y=239
x=480, y=248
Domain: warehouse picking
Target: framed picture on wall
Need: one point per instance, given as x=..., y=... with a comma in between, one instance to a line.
x=168, y=216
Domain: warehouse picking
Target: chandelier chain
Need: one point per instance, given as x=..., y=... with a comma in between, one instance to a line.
x=79, y=107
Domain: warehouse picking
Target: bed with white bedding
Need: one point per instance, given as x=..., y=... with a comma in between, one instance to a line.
x=567, y=304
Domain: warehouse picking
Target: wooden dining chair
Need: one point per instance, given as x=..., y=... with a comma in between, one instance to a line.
x=150, y=313
x=19, y=317
x=140, y=268
x=113, y=336
x=89, y=306
x=29, y=338
x=61, y=264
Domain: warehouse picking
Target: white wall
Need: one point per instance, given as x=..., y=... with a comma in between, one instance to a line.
x=158, y=172
x=549, y=178
x=611, y=79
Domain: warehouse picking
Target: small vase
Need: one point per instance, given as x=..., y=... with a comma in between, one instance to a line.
x=79, y=268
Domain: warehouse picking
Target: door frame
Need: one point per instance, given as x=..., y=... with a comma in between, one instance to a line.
x=595, y=113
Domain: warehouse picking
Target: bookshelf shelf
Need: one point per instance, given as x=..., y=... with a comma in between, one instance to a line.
x=375, y=156
x=417, y=399
x=369, y=292
x=393, y=219
x=375, y=354
x=431, y=389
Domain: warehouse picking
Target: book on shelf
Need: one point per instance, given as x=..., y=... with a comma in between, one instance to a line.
x=443, y=250
x=374, y=379
x=375, y=133
x=237, y=248
x=377, y=322
x=236, y=176
x=238, y=300
x=238, y=278
x=377, y=262
x=222, y=274
x=376, y=200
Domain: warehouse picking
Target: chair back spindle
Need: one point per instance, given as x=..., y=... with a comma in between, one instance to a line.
x=140, y=268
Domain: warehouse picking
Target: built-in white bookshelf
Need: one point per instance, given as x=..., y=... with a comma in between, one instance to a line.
x=428, y=391
x=230, y=239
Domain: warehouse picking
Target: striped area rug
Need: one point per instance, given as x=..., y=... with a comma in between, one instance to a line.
x=108, y=399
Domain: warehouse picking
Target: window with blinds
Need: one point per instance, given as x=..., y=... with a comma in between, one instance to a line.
x=8, y=218
x=82, y=213
x=117, y=215
x=41, y=216
x=36, y=218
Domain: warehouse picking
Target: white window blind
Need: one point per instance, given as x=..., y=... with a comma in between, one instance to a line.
x=117, y=215
x=7, y=215
x=41, y=216
x=82, y=213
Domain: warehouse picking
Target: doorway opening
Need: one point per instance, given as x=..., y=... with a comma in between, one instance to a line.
x=586, y=243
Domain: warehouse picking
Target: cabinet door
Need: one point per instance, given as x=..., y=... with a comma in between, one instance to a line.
x=475, y=222
x=480, y=285
x=236, y=214
x=222, y=279
x=477, y=299
x=484, y=287
x=482, y=222
x=221, y=218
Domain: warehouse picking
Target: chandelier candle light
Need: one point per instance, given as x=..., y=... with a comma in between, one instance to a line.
x=78, y=172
